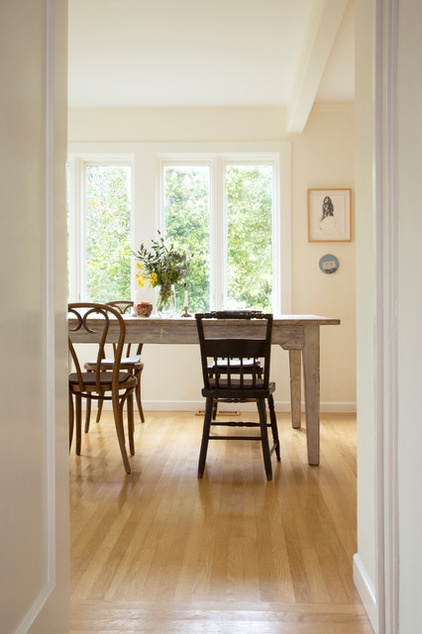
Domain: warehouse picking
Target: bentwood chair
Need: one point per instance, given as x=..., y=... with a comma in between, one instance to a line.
x=93, y=322
x=235, y=358
x=130, y=362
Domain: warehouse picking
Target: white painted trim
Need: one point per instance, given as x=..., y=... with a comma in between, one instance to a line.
x=323, y=25
x=48, y=368
x=336, y=407
x=280, y=406
x=366, y=590
x=50, y=321
x=77, y=164
x=35, y=609
x=386, y=351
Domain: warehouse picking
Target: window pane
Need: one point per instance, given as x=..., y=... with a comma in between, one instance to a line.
x=187, y=225
x=107, y=232
x=249, y=204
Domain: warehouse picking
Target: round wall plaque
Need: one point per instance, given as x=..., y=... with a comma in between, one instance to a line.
x=328, y=263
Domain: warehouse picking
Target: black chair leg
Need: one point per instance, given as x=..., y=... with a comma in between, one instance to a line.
x=214, y=409
x=205, y=436
x=264, y=438
x=274, y=428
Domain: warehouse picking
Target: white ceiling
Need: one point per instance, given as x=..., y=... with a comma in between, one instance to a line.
x=197, y=53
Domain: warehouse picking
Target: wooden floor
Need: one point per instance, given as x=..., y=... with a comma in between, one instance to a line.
x=160, y=551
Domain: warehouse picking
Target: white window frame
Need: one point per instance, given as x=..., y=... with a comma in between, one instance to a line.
x=76, y=197
x=146, y=160
x=217, y=164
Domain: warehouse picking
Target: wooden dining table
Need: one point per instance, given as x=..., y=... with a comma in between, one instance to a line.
x=299, y=334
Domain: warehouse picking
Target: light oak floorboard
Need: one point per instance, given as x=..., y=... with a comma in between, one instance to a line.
x=160, y=551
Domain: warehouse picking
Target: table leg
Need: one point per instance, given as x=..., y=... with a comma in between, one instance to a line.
x=295, y=361
x=312, y=387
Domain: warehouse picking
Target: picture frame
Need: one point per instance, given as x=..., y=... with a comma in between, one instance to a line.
x=329, y=215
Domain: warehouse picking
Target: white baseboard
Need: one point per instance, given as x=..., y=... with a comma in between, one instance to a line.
x=366, y=591
x=280, y=406
x=336, y=407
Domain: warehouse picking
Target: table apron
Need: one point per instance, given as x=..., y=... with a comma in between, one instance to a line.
x=289, y=337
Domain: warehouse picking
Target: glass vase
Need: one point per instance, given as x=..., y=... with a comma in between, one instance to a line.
x=166, y=302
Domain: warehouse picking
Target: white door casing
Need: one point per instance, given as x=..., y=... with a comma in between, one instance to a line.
x=33, y=444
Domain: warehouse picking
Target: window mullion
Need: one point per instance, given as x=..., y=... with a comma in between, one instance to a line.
x=218, y=235
x=76, y=228
x=73, y=227
x=82, y=231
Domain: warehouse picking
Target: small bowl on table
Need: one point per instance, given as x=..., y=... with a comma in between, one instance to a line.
x=143, y=309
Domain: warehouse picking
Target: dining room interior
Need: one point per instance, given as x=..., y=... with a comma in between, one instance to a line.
x=369, y=146
x=312, y=151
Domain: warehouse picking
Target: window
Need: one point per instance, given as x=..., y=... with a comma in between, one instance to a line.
x=186, y=211
x=228, y=203
x=103, y=244
x=222, y=211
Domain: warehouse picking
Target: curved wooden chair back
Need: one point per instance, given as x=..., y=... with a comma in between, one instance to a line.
x=99, y=324
x=129, y=361
x=80, y=320
x=124, y=306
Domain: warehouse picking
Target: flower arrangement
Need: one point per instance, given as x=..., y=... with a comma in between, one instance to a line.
x=162, y=266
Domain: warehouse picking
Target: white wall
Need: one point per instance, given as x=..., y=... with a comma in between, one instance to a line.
x=323, y=156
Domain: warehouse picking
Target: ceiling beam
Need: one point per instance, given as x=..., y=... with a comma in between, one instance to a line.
x=323, y=25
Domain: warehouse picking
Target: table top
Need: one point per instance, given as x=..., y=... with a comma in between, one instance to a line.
x=277, y=319
x=183, y=329
x=288, y=330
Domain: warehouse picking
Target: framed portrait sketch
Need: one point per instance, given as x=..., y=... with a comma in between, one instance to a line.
x=329, y=215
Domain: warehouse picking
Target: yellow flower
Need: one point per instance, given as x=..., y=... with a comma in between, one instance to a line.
x=154, y=278
x=140, y=279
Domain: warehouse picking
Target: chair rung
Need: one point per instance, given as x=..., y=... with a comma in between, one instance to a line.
x=235, y=423
x=221, y=412
x=234, y=437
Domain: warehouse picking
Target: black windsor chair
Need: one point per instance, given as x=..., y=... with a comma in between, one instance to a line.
x=235, y=359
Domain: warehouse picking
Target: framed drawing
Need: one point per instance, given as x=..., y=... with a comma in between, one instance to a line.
x=329, y=215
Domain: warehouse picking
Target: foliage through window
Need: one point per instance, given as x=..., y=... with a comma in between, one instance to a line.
x=249, y=204
x=187, y=224
x=107, y=232
x=227, y=228
x=226, y=208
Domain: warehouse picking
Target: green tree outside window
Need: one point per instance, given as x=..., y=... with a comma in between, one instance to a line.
x=189, y=216
x=107, y=231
